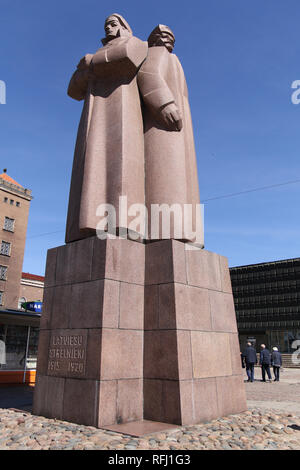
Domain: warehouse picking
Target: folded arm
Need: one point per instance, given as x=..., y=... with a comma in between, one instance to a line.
x=79, y=82
x=123, y=58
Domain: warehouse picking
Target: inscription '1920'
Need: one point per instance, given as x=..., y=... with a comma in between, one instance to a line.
x=67, y=355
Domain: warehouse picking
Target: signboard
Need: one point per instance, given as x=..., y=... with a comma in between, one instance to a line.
x=33, y=306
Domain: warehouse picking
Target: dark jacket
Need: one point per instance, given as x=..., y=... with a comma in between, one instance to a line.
x=265, y=357
x=276, y=359
x=249, y=355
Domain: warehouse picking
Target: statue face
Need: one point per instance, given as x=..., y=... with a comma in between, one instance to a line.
x=162, y=36
x=112, y=27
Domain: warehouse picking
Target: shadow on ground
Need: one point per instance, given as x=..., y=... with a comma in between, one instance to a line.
x=19, y=397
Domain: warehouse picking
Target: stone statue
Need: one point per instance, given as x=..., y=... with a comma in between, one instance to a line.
x=126, y=325
x=170, y=160
x=109, y=153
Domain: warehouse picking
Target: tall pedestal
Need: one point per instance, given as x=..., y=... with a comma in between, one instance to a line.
x=90, y=359
x=132, y=331
x=192, y=364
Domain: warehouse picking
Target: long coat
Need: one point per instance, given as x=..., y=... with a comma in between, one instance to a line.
x=265, y=357
x=109, y=153
x=249, y=355
x=170, y=160
x=276, y=359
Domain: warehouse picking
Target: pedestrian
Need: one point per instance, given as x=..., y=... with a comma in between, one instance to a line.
x=276, y=361
x=250, y=359
x=265, y=362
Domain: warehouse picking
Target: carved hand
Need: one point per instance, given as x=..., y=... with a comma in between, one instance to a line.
x=171, y=117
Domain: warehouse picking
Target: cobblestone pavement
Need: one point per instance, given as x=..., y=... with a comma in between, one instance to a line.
x=254, y=429
x=268, y=426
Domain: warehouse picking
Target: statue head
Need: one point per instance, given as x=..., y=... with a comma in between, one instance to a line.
x=116, y=26
x=162, y=36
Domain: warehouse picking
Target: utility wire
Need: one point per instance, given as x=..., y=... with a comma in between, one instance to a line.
x=44, y=234
x=262, y=188
x=251, y=190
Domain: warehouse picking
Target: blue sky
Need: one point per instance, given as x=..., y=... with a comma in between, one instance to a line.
x=240, y=59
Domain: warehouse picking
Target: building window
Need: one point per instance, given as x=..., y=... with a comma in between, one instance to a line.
x=11, y=202
x=5, y=248
x=1, y=297
x=17, y=204
x=3, y=272
x=9, y=224
x=5, y=199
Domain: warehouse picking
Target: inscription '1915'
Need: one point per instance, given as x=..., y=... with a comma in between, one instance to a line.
x=67, y=355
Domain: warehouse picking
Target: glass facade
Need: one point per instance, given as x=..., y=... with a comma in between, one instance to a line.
x=32, y=348
x=267, y=302
x=18, y=347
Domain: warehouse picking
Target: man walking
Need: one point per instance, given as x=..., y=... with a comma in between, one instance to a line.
x=249, y=356
x=276, y=361
x=265, y=361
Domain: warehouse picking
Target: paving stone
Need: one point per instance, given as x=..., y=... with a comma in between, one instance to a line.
x=257, y=429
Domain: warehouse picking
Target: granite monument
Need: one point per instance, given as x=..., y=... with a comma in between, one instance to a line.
x=136, y=331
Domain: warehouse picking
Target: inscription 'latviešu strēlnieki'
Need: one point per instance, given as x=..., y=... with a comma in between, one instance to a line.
x=67, y=355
